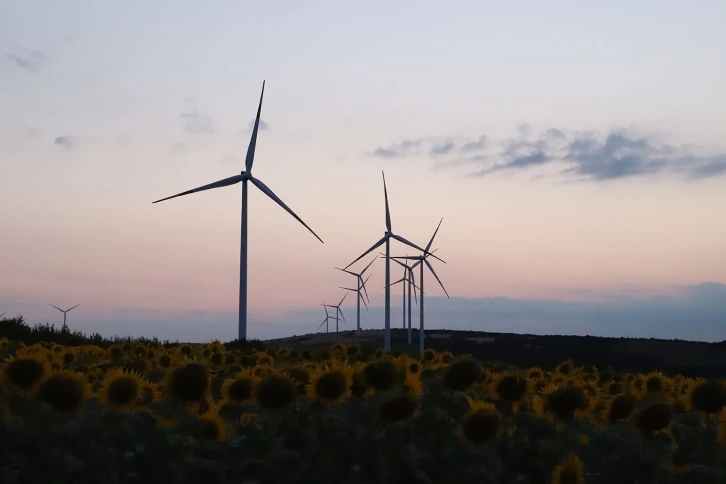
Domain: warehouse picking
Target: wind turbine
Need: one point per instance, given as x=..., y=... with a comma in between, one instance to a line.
x=408, y=276
x=244, y=177
x=325, y=321
x=361, y=285
x=420, y=261
x=65, y=313
x=386, y=239
x=338, y=311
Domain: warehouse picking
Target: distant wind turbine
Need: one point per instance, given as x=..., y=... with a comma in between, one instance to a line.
x=244, y=177
x=408, y=276
x=338, y=311
x=65, y=313
x=387, y=236
x=361, y=285
x=359, y=298
x=420, y=261
x=325, y=321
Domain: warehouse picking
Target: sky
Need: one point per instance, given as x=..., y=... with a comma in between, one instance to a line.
x=574, y=150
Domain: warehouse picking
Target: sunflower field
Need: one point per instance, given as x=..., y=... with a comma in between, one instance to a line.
x=148, y=412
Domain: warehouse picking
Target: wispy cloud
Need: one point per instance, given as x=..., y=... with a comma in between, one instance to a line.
x=584, y=156
x=194, y=121
x=177, y=149
x=29, y=60
x=66, y=142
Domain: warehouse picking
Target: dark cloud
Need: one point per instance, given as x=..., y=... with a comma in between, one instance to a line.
x=66, y=142
x=586, y=156
x=194, y=121
x=30, y=60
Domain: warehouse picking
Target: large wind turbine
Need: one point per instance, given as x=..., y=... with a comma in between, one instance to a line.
x=65, y=313
x=420, y=261
x=244, y=177
x=338, y=311
x=387, y=236
x=361, y=285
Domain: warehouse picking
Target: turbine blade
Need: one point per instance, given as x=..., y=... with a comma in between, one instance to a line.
x=385, y=194
x=411, y=244
x=3, y=314
x=341, y=301
x=218, y=184
x=434, y=236
x=352, y=273
x=363, y=285
x=321, y=325
x=369, y=264
x=400, y=280
x=74, y=307
x=436, y=276
x=361, y=298
x=343, y=315
x=374, y=247
x=398, y=262
x=59, y=309
x=347, y=289
x=266, y=190
x=250, y=158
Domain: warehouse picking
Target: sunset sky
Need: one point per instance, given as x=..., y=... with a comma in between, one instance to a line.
x=575, y=151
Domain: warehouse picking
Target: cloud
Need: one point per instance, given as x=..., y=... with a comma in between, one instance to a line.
x=194, y=121
x=66, y=142
x=30, y=132
x=583, y=156
x=29, y=60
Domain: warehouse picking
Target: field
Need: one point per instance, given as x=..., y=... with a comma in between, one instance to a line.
x=137, y=412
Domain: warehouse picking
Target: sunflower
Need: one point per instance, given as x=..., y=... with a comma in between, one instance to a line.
x=618, y=409
x=569, y=472
x=263, y=359
x=535, y=373
x=722, y=427
x=165, y=360
x=213, y=427
x=331, y=383
x=149, y=394
x=654, y=417
x=121, y=389
x=481, y=423
x=274, y=392
x=25, y=371
x=512, y=388
x=186, y=350
x=360, y=386
x=189, y=383
x=412, y=385
x=566, y=368
x=64, y=391
x=429, y=356
x=397, y=408
x=461, y=374
x=445, y=357
x=380, y=374
x=655, y=383
x=706, y=396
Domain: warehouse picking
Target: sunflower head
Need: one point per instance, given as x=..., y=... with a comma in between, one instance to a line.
x=186, y=350
x=429, y=355
x=25, y=371
x=239, y=388
x=654, y=417
x=566, y=368
x=189, y=383
x=655, y=383
x=618, y=408
x=301, y=376
x=481, y=423
x=380, y=374
x=535, y=373
x=412, y=385
x=64, y=391
x=165, y=360
x=212, y=425
x=566, y=401
x=331, y=383
x=461, y=374
x=360, y=387
x=706, y=396
x=511, y=387
x=275, y=392
x=121, y=389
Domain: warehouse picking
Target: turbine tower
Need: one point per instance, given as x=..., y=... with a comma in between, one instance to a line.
x=408, y=276
x=361, y=285
x=361, y=289
x=420, y=261
x=386, y=239
x=244, y=177
x=338, y=311
x=65, y=313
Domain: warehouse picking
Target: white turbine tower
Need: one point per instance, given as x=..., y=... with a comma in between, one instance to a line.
x=361, y=285
x=244, y=177
x=387, y=236
x=338, y=311
x=420, y=261
x=65, y=313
